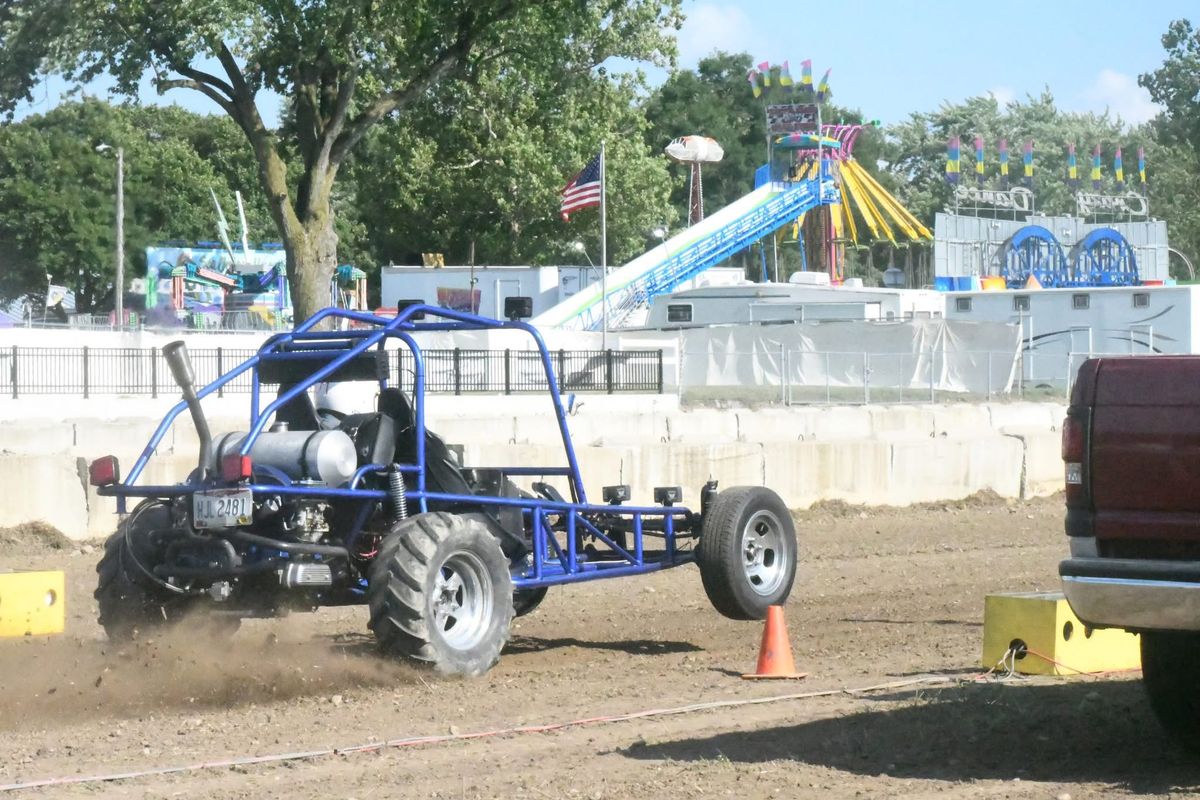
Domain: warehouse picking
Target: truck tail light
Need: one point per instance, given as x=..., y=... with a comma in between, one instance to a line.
x=236, y=467
x=1074, y=445
x=104, y=471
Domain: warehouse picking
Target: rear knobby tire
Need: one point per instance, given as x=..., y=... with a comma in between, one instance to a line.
x=131, y=605
x=439, y=591
x=1170, y=672
x=747, y=552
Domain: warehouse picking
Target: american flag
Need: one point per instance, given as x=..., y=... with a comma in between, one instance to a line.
x=583, y=190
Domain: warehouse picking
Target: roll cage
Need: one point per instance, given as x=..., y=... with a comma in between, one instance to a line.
x=593, y=541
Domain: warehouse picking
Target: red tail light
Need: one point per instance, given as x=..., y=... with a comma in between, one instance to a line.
x=236, y=467
x=1072, y=439
x=104, y=471
x=1074, y=455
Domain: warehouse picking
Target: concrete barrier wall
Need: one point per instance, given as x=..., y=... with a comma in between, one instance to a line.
x=893, y=455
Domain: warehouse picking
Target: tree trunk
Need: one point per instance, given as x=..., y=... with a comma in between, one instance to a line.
x=309, y=239
x=311, y=261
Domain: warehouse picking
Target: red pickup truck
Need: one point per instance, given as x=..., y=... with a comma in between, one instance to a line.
x=1131, y=445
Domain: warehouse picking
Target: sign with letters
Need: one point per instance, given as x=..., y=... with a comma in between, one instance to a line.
x=791, y=117
x=1018, y=198
x=1130, y=203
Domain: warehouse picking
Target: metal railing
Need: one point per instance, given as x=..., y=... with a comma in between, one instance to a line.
x=137, y=371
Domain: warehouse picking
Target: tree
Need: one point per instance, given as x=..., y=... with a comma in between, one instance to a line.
x=56, y=193
x=916, y=153
x=714, y=100
x=476, y=171
x=342, y=66
x=1176, y=85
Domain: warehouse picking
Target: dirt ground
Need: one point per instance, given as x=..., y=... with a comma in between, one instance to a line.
x=884, y=595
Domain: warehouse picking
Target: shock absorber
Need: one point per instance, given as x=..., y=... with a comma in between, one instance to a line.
x=396, y=497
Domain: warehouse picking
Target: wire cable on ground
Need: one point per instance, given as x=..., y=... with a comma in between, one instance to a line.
x=306, y=755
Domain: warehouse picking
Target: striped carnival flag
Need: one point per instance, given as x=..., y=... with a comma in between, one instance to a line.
x=1096, y=176
x=765, y=69
x=755, y=82
x=953, y=150
x=823, y=89
x=785, y=75
x=584, y=190
x=806, y=84
x=979, y=160
x=1027, y=158
x=1142, y=165
x=1003, y=149
x=1119, y=168
x=1072, y=167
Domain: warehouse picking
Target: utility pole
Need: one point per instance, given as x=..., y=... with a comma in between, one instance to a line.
x=120, y=305
x=119, y=293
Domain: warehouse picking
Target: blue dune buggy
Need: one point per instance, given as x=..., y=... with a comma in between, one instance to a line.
x=306, y=509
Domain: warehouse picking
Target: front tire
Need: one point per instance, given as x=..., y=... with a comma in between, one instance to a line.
x=747, y=552
x=1170, y=672
x=439, y=591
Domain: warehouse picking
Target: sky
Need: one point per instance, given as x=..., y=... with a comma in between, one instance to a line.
x=893, y=57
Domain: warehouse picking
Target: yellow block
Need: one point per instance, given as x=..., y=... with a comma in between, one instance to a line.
x=32, y=603
x=1054, y=640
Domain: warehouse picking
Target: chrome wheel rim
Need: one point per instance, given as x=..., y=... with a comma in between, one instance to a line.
x=462, y=600
x=764, y=560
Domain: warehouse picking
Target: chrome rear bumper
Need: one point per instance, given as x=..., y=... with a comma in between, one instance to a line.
x=1133, y=594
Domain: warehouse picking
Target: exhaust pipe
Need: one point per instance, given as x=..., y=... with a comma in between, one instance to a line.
x=177, y=358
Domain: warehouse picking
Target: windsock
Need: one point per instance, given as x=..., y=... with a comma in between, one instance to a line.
x=1096, y=178
x=1003, y=149
x=979, y=160
x=1028, y=160
x=1119, y=168
x=1142, y=165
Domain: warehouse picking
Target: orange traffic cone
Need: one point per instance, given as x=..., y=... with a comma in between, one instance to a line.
x=775, y=654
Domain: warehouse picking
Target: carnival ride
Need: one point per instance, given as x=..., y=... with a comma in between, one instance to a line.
x=1101, y=258
x=812, y=187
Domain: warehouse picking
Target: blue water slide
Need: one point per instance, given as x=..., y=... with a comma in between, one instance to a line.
x=660, y=270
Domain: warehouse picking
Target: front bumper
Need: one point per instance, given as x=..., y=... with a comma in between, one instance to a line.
x=1133, y=594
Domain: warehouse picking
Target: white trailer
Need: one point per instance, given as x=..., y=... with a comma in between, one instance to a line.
x=1061, y=327
x=452, y=287
x=790, y=302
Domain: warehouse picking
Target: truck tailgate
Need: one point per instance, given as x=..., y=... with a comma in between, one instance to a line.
x=1145, y=448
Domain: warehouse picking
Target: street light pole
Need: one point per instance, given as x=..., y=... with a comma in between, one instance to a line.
x=119, y=293
x=120, y=306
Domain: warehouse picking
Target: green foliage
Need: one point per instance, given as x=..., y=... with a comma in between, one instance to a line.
x=1176, y=85
x=917, y=149
x=715, y=101
x=482, y=165
x=57, y=194
x=342, y=66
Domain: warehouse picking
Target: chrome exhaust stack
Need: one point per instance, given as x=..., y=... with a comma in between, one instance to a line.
x=180, y=363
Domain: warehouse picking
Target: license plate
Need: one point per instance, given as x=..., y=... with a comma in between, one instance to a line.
x=222, y=508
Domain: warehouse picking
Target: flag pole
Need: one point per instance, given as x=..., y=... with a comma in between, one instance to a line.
x=603, y=253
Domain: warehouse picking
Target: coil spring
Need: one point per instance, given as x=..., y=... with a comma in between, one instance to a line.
x=396, y=496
